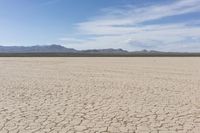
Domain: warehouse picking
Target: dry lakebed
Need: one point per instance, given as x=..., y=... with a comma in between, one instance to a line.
x=100, y=95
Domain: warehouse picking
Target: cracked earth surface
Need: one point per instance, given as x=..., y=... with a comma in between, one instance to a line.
x=88, y=95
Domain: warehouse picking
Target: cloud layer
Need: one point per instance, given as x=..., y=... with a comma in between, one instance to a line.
x=135, y=28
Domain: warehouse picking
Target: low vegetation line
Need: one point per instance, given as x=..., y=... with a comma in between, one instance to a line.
x=99, y=55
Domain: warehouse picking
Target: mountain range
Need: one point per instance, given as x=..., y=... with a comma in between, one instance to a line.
x=61, y=51
x=54, y=49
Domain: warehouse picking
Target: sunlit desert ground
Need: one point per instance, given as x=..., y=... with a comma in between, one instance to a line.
x=87, y=95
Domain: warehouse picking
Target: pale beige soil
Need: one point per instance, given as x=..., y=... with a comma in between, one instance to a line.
x=142, y=95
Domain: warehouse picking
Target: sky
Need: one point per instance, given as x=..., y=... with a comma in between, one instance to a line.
x=164, y=25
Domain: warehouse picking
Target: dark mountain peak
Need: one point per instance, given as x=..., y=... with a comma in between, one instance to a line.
x=110, y=50
x=147, y=51
x=56, y=46
x=36, y=49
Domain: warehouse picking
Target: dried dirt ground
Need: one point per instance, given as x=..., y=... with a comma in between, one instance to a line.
x=87, y=95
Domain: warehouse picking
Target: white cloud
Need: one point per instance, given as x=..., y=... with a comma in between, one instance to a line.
x=123, y=28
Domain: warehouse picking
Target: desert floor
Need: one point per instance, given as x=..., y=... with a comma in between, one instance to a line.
x=142, y=95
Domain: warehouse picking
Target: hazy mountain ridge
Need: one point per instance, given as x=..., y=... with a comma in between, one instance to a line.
x=54, y=49
x=110, y=50
x=58, y=50
x=36, y=49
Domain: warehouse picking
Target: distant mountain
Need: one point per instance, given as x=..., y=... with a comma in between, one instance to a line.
x=36, y=49
x=55, y=49
x=105, y=51
x=60, y=51
x=148, y=51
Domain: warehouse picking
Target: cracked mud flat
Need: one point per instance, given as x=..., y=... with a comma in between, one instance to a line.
x=87, y=95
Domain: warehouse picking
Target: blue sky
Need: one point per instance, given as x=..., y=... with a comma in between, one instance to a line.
x=167, y=25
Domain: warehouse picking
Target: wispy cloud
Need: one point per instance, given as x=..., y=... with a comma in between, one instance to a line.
x=125, y=28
